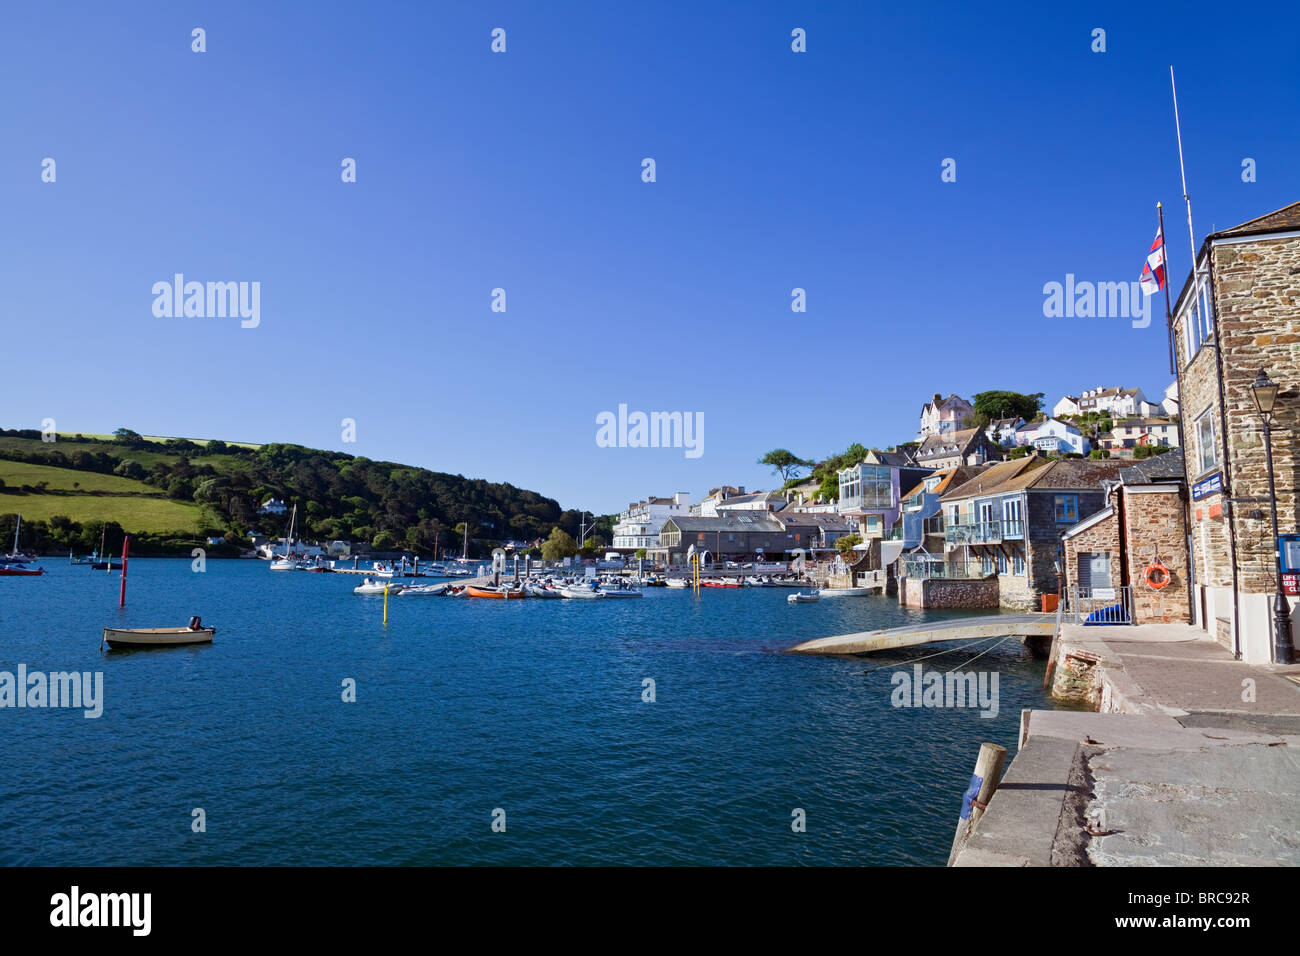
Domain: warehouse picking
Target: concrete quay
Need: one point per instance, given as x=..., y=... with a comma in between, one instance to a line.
x=1190, y=758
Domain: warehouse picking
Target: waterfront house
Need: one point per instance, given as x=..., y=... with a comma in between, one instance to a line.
x=1007, y=521
x=1237, y=314
x=817, y=530
x=639, y=524
x=922, y=519
x=942, y=415
x=744, y=536
x=272, y=506
x=870, y=495
x=968, y=446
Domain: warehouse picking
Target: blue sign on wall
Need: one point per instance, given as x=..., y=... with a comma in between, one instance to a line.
x=1208, y=486
x=1288, y=546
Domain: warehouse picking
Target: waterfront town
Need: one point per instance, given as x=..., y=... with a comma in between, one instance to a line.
x=1162, y=506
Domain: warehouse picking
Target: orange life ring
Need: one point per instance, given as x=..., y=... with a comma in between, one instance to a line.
x=1157, y=576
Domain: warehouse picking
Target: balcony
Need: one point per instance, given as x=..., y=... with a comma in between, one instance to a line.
x=984, y=532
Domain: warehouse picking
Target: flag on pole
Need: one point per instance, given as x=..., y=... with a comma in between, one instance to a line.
x=1153, y=271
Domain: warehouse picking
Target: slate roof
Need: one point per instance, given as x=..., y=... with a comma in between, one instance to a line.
x=753, y=521
x=1156, y=469
x=1038, y=474
x=1285, y=219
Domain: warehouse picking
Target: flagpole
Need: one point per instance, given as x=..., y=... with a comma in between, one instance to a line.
x=1169, y=311
x=1178, y=127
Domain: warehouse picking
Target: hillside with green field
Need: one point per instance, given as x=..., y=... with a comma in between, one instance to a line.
x=169, y=493
x=91, y=497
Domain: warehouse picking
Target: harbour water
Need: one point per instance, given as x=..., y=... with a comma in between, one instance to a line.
x=467, y=706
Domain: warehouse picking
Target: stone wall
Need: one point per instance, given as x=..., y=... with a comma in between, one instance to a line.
x=949, y=592
x=1102, y=536
x=1153, y=526
x=1257, y=299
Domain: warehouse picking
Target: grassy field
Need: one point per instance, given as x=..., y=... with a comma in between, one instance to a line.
x=132, y=504
x=146, y=457
x=136, y=514
x=17, y=473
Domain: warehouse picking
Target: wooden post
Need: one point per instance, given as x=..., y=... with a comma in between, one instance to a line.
x=987, y=776
x=126, y=546
x=385, y=605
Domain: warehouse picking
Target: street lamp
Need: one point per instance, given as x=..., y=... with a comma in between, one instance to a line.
x=1264, y=391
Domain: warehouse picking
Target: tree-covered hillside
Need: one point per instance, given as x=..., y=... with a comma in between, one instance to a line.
x=385, y=504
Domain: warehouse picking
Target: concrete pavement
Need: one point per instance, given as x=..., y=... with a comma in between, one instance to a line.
x=1195, y=761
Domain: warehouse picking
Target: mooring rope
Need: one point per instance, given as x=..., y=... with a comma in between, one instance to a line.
x=960, y=647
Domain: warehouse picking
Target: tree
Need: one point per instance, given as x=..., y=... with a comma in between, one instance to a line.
x=125, y=436
x=558, y=546
x=130, y=468
x=784, y=462
x=845, y=544
x=642, y=553
x=1005, y=404
x=384, y=541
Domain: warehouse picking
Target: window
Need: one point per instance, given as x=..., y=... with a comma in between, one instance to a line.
x=1206, y=450
x=1198, y=316
x=1067, y=509
x=1011, y=517
x=1018, y=562
x=1002, y=563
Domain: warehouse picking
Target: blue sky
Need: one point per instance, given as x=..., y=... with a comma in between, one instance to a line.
x=522, y=171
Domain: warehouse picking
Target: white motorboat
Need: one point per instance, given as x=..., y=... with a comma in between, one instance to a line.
x=678, y=583
x=801, y=598
x=373, y=586
x=538, y=591
x=582, y=593
x=428, y=590
x=620, y=592
x=846, y=592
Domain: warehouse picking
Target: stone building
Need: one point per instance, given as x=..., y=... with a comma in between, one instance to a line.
x=1244, y=297
x=1143, y=523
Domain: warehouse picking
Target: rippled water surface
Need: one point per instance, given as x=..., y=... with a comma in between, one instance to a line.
x=465, y=706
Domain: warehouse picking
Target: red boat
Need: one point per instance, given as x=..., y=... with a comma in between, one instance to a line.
x=15, y=571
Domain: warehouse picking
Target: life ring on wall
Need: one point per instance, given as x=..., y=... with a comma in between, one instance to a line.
x=1157, y=576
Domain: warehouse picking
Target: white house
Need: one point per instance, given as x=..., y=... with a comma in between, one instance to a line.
x=1068, y=405
x=1169, y=404
x=272, y=506
x=640, y=524
x=1117, y=402
x=757, y=501
x=1003, y=430
x=1054, y=435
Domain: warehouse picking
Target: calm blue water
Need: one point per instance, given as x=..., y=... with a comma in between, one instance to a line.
x=464, y=706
